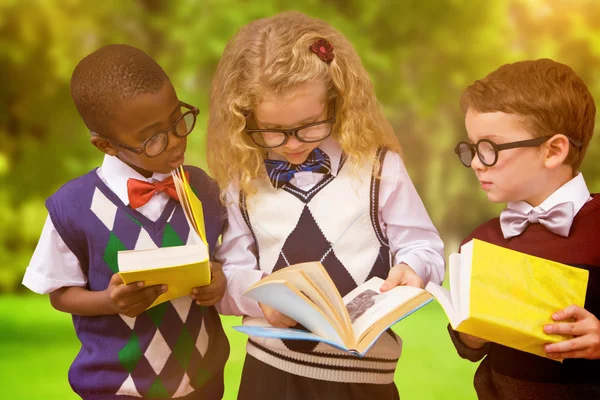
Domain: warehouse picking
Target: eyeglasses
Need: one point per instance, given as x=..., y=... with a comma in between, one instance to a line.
x=487, y=151
x=310, y=133
x=156, y=144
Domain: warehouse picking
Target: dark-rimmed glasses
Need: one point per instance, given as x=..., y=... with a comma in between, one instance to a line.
x=156, y=144
x=309, y=133
x=487, y=151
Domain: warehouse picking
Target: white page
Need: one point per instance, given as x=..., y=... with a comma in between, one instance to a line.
x=278, y=295
x=366, y=304
x=444, y=298
x=134, y=260
x=466, y=255
x=299, y=280
x=329, y=291
x=454, y=277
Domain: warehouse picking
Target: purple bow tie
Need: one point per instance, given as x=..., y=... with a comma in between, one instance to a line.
x=281, y=172
x=557, y=220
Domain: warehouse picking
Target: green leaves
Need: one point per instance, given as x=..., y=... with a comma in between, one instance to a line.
x=420, y=55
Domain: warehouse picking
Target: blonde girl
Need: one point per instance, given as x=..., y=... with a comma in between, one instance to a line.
x=311, y=171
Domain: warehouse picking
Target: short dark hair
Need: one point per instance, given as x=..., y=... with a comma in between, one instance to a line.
x=108, y=76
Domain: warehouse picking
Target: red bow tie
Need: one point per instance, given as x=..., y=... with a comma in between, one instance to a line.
x=140, y=192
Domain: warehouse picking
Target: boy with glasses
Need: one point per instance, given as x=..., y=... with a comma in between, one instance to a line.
x=178, y=348
x=529, y=125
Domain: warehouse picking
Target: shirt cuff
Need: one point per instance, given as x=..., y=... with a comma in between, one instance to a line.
x=413, y=261
x=43, y=285
x=465, y=351
x=234, y=302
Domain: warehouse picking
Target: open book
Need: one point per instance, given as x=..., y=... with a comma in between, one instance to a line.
x=181, y=268
x=306, y=293
x=507, y=297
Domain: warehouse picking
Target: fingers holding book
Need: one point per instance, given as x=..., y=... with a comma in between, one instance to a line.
x=132, y=299
x=211, y=294
x=275, y=318
x=581, y=324
x=402, y=275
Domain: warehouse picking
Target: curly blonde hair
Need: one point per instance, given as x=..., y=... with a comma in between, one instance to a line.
x=272, y=57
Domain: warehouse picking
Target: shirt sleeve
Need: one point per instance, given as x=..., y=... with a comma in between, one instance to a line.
x=237, y=253
x=53, y=265
x=465, y=351
x=411, y=235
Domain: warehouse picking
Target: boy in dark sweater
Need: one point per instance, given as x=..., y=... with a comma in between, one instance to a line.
x=178, y=348
x=529, y=125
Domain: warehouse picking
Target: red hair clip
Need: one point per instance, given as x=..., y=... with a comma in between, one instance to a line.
x=324, y=50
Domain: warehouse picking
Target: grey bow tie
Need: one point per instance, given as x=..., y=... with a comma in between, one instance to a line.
x=557, y=220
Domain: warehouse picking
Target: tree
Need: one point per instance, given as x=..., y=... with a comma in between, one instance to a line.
x=420, y=54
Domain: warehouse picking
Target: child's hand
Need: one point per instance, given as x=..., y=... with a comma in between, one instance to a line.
x=275, y=318
x=132, y=299
x=211, y=294
x=472, y=341
x=586, y=329
x=401, y=275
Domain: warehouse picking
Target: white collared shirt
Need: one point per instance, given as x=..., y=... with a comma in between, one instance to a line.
x=53, y=265
x=403, y=218
x=575, y=191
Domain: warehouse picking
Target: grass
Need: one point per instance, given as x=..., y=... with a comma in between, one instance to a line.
x=37, y=345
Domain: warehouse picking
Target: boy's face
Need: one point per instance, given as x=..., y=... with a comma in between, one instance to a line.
x=138, y=119
x=519, y=173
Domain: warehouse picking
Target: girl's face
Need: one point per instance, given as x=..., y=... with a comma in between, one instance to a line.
x=303, y=105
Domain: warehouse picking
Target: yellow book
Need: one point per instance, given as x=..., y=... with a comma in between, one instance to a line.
x=181, y=268
x=191, y=204
x=506, y=297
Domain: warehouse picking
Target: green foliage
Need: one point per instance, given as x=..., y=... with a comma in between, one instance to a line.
x=420, y=54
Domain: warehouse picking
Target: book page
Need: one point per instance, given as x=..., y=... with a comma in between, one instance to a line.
x=299, y=280
x=181, y=194
x=192, y=206
x=444, y=297
x=136, y=260
x=454, y=280
x=291, y=302
x=366, y=305
x=195, y=206
x=317, y=274
x=464, y=295
x=285, y=333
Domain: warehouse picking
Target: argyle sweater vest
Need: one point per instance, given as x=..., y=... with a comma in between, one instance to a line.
x=336, y=222
x=507, y=373
x=174, y=350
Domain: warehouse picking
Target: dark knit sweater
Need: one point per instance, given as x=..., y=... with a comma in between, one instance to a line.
x=506, y=373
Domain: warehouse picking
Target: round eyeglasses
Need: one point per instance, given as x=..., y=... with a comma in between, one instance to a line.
x=310, y=133
x=157, y=143
x=487, y=151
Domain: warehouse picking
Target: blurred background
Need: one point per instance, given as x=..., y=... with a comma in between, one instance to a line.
x=420, y=55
